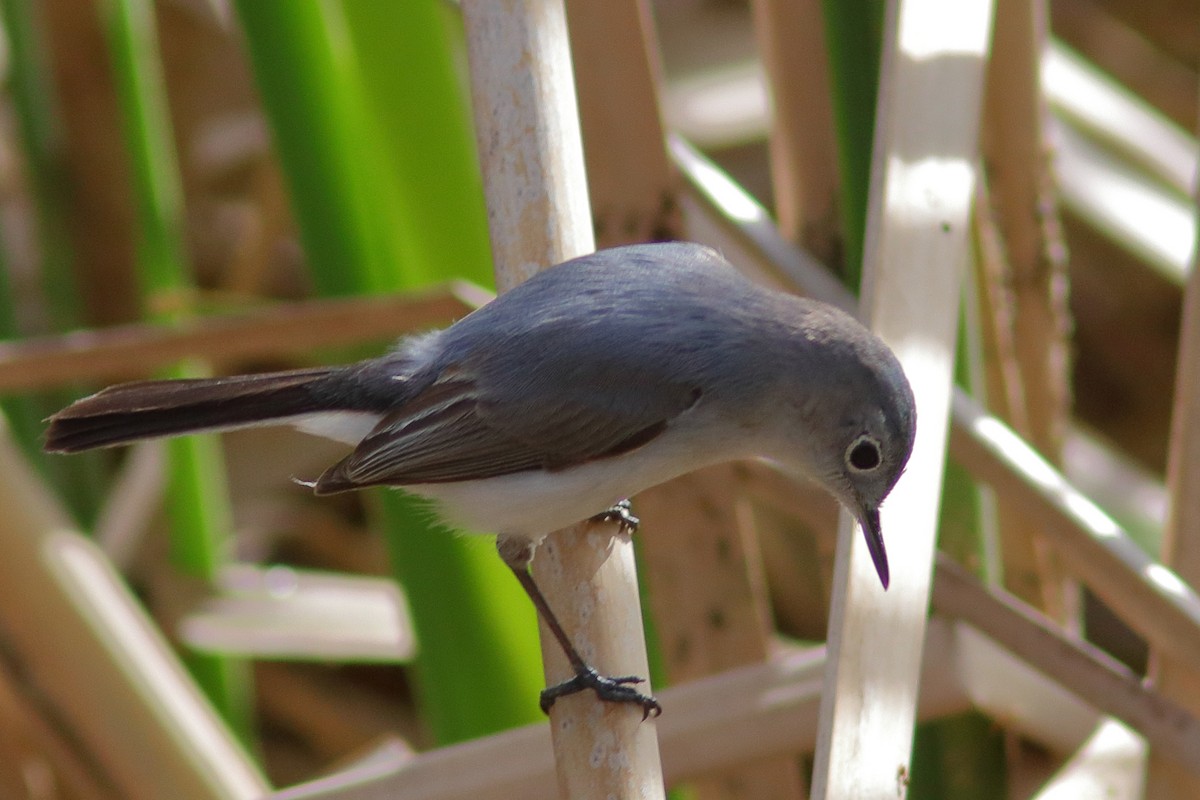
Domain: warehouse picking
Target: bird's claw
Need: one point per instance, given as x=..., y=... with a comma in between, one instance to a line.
x=622, y=514
x=610, y=690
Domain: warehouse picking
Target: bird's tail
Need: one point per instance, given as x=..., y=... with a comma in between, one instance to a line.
x=151, y=409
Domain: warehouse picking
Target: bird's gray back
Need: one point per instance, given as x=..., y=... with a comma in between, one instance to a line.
x=633, y=314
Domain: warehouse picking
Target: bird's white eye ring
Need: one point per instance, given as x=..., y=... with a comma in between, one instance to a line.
x=863, y=454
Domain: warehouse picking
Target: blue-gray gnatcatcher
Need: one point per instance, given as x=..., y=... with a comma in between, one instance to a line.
x=593, y=380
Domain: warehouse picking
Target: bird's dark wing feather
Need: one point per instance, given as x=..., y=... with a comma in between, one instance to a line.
x=465, y=427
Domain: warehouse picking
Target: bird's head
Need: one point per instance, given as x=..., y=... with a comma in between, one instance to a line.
x=873, y=439
x=859, y=419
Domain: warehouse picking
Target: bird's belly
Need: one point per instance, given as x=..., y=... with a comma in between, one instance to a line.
x=534, y=503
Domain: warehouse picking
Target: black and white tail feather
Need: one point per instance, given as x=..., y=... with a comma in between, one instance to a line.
x=154, y=409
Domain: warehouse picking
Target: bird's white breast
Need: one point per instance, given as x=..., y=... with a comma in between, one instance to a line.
x=534, y=503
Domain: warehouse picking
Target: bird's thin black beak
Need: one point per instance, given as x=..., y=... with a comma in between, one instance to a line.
x=869, y=520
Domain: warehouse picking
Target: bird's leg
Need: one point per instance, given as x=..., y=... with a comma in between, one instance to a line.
x=517, y=554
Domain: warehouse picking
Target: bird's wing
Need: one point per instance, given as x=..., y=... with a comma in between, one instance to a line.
x=466, y=427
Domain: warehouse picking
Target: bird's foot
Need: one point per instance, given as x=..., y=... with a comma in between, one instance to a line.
x=610, y=690
x=622, y=514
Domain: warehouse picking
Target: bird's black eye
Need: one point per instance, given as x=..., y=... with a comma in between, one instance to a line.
x=863, y=454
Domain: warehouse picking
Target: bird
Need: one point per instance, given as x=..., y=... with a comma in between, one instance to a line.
x=557, y=401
